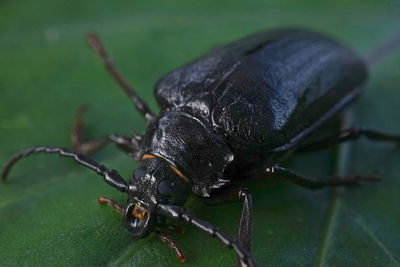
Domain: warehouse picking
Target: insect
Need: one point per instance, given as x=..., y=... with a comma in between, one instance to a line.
x=228, y=116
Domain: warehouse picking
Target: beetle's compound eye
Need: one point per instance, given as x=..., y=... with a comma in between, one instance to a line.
x=165, y=188
x=168, y=192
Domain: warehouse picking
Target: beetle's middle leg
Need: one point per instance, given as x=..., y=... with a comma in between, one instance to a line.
x=78, y=145
x=276, y=171
x=347, y=135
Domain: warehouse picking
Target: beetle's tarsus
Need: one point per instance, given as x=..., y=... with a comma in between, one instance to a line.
x=359, y=180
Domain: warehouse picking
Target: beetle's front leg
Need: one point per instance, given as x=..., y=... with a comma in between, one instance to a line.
x=276, y=171
x=245, y=224
x=87, y=148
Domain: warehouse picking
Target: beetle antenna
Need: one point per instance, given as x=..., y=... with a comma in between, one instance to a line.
x=384, y=49
x=179, y=213
x=95, y=43
x=111, y=177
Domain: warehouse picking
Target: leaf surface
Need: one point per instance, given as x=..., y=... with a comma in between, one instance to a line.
x=48, y=209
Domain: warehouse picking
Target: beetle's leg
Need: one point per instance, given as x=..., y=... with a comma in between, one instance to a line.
x=105, y=200
x=140, y=105
x=78, y=145
x=166, y=239
x=111, y=177
x=346, y=135
x=76, y=136
x=277, y=171
x=179, y=213
x=245, y=223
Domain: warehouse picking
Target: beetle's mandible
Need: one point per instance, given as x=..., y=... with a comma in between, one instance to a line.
x=230, y=115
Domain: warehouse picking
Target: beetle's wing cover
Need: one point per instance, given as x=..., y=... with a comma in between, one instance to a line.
x=267, y=91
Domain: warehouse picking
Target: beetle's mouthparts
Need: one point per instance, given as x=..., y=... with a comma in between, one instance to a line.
x=139, y=221
x=139, y=212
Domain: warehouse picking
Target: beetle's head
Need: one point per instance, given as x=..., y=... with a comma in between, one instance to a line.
x=152, y=183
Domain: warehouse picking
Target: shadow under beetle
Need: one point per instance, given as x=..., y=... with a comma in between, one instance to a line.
x=226, y=117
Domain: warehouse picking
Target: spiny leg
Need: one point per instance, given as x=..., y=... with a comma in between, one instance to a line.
x=140, y=105
x=346, y=135
x=130, y=146
x=277, y=171
x=111, y=177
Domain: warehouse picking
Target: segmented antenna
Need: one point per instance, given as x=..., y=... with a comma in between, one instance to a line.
x=111, y=177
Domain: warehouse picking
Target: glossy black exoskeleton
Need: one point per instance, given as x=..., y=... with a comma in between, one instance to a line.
x=227, y=116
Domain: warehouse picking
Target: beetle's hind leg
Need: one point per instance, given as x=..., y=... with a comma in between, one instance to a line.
x=87, y=148
x=277, y=171
x=347, y=135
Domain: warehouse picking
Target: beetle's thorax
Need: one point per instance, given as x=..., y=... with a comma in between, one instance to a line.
x=195, y=153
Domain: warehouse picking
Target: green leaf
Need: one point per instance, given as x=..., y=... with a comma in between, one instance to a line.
x=48, y=209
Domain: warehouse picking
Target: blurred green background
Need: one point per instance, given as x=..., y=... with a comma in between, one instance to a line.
x=48, y=209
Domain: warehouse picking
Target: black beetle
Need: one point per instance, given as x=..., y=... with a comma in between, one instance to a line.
x=226, y=117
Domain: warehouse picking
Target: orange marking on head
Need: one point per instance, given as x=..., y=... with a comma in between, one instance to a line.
x=148, y=156
x=179, y=173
